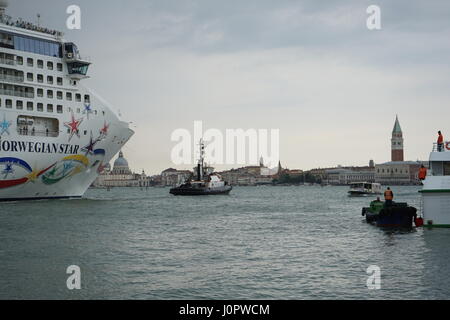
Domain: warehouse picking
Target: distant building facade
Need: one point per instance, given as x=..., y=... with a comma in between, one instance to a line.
x=172, y=177
x=398, y=173
x=248, y=176
x=120, y=176
x=345, y=176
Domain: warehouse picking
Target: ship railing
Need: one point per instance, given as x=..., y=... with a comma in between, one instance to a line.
x=441, y=148
x=16, y=93
x=10, y=62
x=11, y=78
x=25, y=131
x=5, y=19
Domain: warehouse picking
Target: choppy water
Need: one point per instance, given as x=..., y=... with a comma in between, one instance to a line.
x=257, y=243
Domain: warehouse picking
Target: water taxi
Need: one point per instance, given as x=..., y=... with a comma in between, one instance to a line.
x=364, y=188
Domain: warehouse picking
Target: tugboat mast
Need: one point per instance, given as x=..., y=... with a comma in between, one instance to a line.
x=201, y=163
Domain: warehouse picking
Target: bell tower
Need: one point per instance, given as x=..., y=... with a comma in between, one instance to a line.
x=397, y=142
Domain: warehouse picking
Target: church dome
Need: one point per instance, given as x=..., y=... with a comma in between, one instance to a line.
x=121, y=165
x=120, y=161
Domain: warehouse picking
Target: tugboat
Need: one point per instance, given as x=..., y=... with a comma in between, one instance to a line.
x=396, y=215
x=205, y=184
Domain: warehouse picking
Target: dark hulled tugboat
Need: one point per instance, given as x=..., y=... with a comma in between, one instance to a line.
x=205, y=183
x=396, y=215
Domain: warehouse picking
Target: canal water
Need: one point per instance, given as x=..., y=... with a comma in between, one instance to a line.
x=304, y=242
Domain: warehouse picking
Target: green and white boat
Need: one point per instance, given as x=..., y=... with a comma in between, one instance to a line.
x=436, y=189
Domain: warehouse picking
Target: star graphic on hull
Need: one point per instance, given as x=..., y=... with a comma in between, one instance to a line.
x=89, y=149
x=73, y=126
x=104, y=131
x=87, y=110
x=4, y=126
x=8, y=169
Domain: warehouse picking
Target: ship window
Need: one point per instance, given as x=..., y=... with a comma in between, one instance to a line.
x=50, y=94
x=50, y=79
x=59, y=67
x=19, y=105
x=40, y=107
x=59, y=109
x=59, y=81
x=37, y=126
x=29, y=76
x=78, y=97
x=8, y=103
x=19, y=60
x=446, y=168
x=69, y=96
x=87, y=99
x=50, y=65
x=78, y=68
x=59, y=95
x=40, y=64
x=30, y=62
x=40, y=78
x=37, y=46
x=40, y=93
x=6, y=41
x=30, y=106
x=49, y=108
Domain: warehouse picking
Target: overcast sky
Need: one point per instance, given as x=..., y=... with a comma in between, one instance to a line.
x=309, y=68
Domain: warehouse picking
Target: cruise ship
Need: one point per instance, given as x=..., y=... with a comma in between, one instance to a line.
x=55, y=134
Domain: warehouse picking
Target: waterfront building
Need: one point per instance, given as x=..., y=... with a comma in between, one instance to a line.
x=120, y=176
x=173, y=177
x=398, y=173
x=250, y=175
x=345, y=176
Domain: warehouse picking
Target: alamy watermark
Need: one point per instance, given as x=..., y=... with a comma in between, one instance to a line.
x=73, y=22
x=74, y=280
x=374, y=280
x=232, y=147
x=374, y=20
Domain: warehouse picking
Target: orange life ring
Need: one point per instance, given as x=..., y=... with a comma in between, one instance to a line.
x=447, y=145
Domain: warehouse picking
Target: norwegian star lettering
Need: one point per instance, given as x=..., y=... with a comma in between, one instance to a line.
x=38, y=147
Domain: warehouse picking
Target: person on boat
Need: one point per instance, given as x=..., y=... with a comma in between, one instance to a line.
x=388, y=197
x=422, y=172
x=440, y=142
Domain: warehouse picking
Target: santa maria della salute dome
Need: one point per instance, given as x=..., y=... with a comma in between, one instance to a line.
x=120, y=175
x=121, y=165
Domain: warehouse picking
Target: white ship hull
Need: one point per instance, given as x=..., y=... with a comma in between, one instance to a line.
x=41, y=168
x=436, y=189
x=436, y=201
